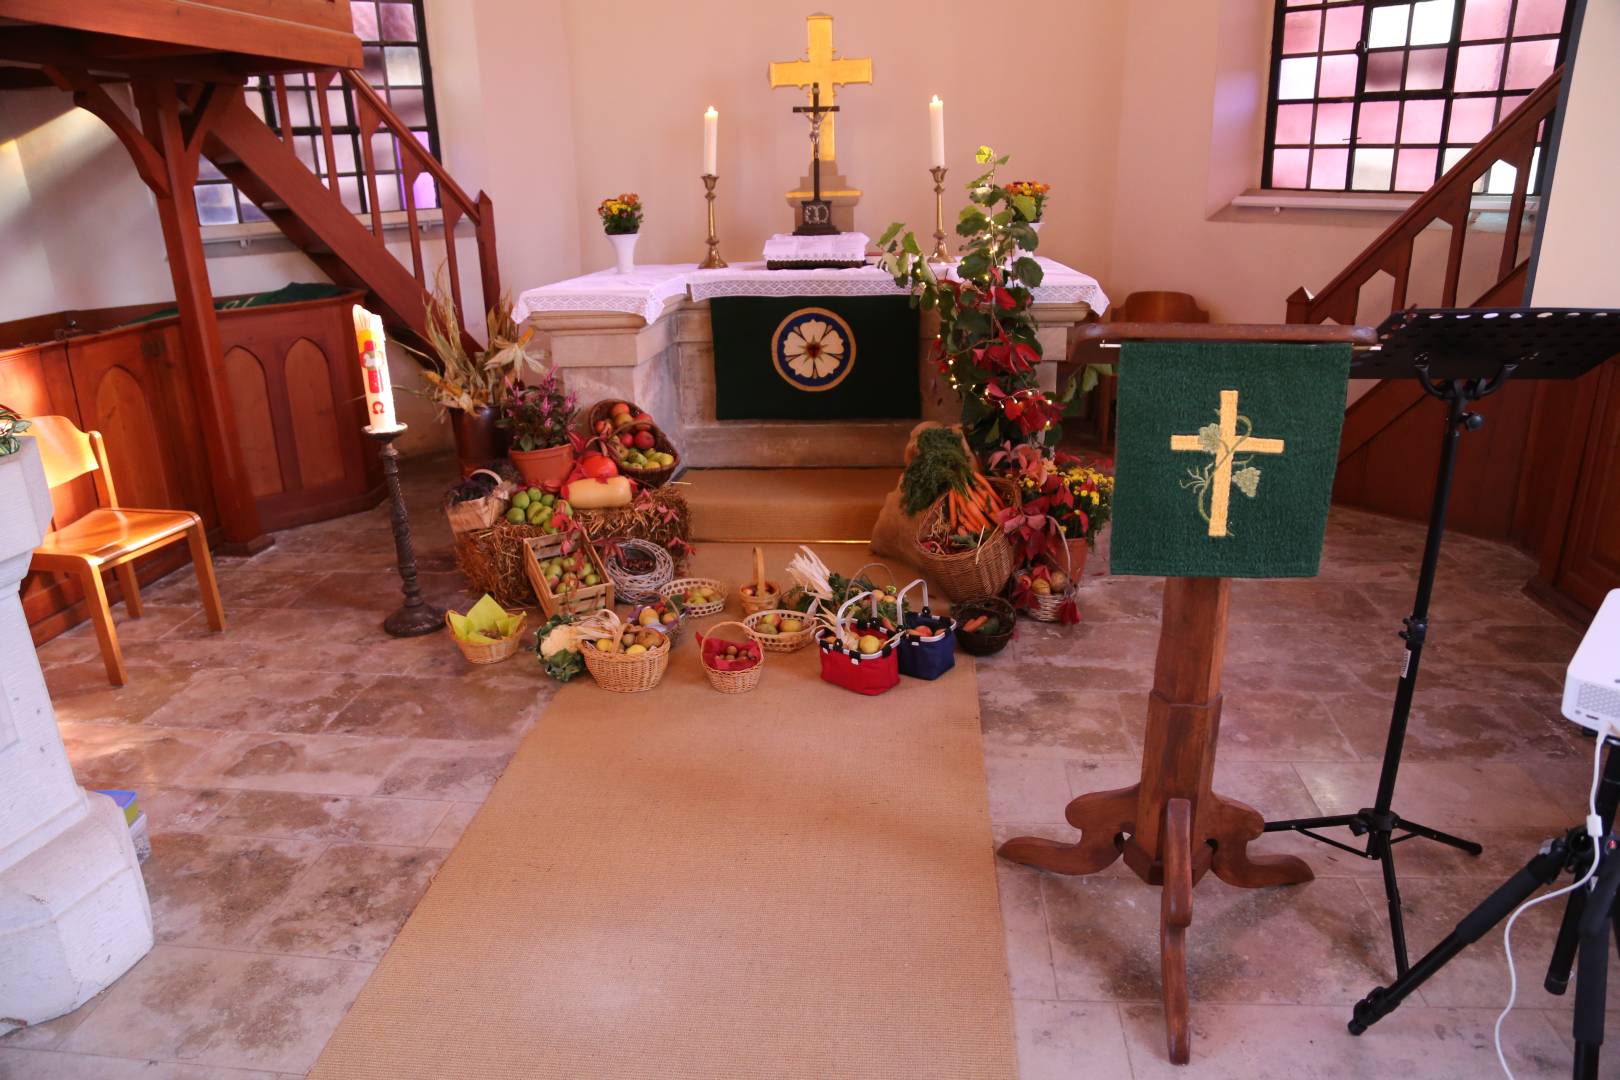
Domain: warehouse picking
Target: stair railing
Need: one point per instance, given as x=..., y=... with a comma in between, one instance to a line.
x=1450, y=200
x=372, y=114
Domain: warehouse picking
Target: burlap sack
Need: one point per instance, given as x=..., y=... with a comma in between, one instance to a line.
x=895, y=534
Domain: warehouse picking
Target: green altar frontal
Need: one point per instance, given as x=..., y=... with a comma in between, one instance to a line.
x=1226, y=455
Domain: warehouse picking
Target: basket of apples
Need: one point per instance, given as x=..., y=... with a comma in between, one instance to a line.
x=758, y=594
x=1047, y=593
x=662, y=615
x=642, y=451
x=566, y=573
x=626, y=659
x=733, y=667
x=781, y=630
x=698, y=597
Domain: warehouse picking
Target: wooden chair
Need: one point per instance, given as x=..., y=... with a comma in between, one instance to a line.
x=1142, y=307
x=111, y=536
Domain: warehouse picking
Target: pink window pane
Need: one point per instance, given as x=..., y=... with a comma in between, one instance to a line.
x=1339, y=75
x=1414, y=169
x=1485, y=19
x=1511, y=102
x=1426, y=69
x=1538, y=17
x=1288, y=168
x=425, y=193
x=1293, y=124
x=1529, y=64
x=1376, y=124
x=1479, y=67
x=1383, y=70
x=1332, y=127
x=1343, y=28
x=1327, y=169
x=398, y=22
x=1421, y=122
x=364, y=17
x=1300, y=31
x=1472, y=118
x=1372, y=170
x=1296, y=78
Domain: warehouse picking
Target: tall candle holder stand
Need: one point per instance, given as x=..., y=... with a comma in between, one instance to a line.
x=415, y=616
x=712, y=261
x=941, y=252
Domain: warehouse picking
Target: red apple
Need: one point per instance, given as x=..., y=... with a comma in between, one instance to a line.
x=644, y=440
x=618, y=408
x=627, y=439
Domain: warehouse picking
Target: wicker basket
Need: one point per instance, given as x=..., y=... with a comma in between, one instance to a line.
x=642, y=588
x=977, y=644
x=671, y=630
x=767, y=594
x=782, y=643
x=624, y=673
x=732, y=682
x=600, y=411
x=979, y=572
x=465, y=517
x=585, y=598
x=646, y=477
x=679, y=586
x=1046, y=607
x=494, y=652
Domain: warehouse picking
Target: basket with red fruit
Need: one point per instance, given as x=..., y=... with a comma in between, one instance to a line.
x=733, y=667
x=758, y=594
x=1047, y=594
x=928, y=649
x=641, y=451
x=665, y=616
x=860, y=653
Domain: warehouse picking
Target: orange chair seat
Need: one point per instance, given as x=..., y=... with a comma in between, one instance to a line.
x=104, y=535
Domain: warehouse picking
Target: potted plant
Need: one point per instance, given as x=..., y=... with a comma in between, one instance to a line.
x=1064, y=502
x=621, y=221
x=11, y=425
x=537, y=417
x=1036, y=193
x=469, y=386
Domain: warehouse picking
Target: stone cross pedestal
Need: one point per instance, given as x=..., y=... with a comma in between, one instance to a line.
x=73, y=908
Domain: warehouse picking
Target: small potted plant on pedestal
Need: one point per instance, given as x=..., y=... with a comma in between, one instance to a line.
x=621, y=220
x=537, y=417
x=1033, y=211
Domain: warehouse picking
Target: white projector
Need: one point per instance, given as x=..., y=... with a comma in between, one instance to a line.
x=1592, y=687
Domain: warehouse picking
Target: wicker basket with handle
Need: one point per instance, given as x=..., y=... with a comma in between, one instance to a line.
x=738, y=681
x=791, y=641
x=765, y=594
x=622, y=672
x=471, y=514
x=679, y=587
x=962, y=575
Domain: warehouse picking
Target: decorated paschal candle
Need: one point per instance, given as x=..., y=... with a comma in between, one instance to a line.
x=373, y=347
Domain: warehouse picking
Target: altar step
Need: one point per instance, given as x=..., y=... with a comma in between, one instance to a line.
x=793, y=505
x=796, y=443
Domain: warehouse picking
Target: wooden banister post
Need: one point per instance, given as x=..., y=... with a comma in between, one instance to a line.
x=1299, y=305
x=159, y=103
x=489, y=270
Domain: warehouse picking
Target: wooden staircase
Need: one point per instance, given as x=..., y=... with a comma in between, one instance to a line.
x=1388, y=436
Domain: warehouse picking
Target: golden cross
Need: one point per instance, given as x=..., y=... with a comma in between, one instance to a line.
x=1231, y=443
x=821, y=65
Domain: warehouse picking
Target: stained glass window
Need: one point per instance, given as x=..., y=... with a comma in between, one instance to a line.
x=1371, y=95
x=395, y=63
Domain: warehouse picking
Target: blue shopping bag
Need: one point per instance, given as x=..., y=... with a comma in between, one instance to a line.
x=929, y=654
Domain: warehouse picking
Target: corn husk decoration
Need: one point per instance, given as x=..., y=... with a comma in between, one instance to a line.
x=486, y=624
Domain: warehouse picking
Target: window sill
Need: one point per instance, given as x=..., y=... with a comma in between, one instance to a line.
x=1277, y=201
x=262, y=237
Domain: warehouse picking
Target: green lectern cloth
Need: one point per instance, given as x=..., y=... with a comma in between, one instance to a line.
x=815, y=358
x=1226, y=455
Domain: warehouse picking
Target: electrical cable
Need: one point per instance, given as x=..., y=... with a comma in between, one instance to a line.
x=1594, y=829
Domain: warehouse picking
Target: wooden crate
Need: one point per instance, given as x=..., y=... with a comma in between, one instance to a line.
x=537, y=549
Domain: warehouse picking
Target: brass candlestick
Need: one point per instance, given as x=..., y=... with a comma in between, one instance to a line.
x=941, y=252
x=712, y=261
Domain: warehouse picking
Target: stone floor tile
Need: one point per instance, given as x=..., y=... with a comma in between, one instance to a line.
x=1027, y=789
x=351, y=903
x=1315, y=943
x=455, y=822
x=181, y=809
x=1023, y=916
x=1063, y=1040
x=1443, y=795
x=218, y=890
x=131, y=755
x=1279, y=726
x=300, y=816
x=1023, y=721
x=1299, y=1042
x=80, y=692
x=437, y=769
x=37, y=1065
x=1448, y=725
x=318, y=764
x=214, y=1008
x=260, y=699
x=444, y=708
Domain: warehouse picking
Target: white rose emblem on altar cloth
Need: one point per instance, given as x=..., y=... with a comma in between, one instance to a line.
x=813, y=349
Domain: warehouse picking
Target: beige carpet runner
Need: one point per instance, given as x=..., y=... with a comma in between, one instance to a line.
x=796, y=882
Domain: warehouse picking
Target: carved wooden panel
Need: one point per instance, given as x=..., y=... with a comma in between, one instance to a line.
x=1589, y=565
x=314, y=415
x=255, y=429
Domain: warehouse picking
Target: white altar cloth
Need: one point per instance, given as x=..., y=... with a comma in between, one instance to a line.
x=646, y=290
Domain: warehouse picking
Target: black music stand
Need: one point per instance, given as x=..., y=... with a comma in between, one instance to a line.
x=1459, y=355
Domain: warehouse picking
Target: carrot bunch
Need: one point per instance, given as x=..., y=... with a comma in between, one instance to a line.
x=972, y=508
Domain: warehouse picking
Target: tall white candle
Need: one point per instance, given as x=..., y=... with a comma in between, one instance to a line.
x=936, y=131
x=373, y=345
x=711, y=143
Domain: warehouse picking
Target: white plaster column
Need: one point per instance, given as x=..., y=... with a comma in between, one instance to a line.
x=73, y=908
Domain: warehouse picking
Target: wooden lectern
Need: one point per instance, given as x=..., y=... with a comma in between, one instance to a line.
x=1170, y=826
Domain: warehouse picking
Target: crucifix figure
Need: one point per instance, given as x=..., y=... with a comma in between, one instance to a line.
x=815, y=214
x=1224, y=440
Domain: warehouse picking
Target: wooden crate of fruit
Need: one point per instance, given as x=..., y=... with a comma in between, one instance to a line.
x=568, y=582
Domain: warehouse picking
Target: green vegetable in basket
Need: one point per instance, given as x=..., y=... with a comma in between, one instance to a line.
x=941, y=464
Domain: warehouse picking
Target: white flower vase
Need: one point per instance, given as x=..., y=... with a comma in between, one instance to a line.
x=624, y=251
